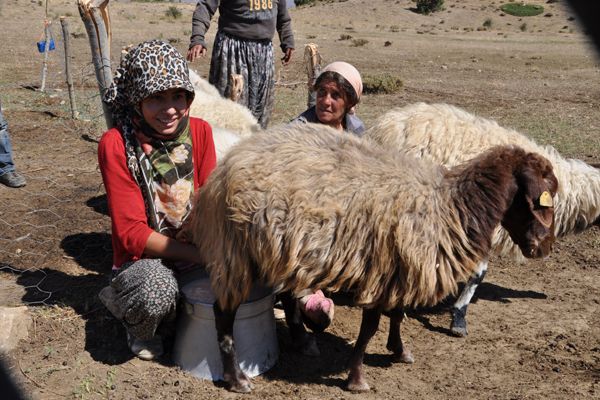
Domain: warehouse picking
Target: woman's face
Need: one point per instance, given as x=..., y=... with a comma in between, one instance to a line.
x=164, y=110
x=331, y=104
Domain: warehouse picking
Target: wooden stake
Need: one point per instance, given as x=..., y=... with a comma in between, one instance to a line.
x=312, y=60
x=46, y=50
x=94, y=14
x=66, y=40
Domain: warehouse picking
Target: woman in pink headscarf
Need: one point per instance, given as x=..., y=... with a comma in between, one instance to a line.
x=338, y=89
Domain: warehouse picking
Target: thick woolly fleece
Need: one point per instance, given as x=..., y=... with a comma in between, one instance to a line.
x=302, y=206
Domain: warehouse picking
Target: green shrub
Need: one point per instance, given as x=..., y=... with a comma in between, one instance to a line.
x=173, y=12
x=344, y=36
x=359, y=42
x=522, y=9
x=429, y=6
x=384, y=83
x=487, y=23
x=523, y=27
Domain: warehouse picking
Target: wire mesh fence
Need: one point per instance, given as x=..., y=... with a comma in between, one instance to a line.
x=58, y=222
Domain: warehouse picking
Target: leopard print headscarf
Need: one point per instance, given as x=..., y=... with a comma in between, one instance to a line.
x=164, y=170
x=148, y=68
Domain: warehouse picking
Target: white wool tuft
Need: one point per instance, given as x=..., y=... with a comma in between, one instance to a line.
x=230, y=121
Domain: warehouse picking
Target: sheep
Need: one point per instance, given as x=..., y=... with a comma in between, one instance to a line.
x=301, y=206
x=230, y=121
x=224, y=139
x=448, y=135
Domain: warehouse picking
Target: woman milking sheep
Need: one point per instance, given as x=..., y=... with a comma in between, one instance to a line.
x=151, y=164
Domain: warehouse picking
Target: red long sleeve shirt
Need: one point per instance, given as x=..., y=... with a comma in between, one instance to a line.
x=130, y=229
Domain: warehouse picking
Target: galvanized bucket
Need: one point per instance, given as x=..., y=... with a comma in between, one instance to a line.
x=196, y=349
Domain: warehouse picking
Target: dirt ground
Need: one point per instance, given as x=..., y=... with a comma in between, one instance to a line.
x=534, y=328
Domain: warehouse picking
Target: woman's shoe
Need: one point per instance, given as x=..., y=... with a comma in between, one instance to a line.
x=145, y=349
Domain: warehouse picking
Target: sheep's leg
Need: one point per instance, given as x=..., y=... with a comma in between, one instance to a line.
x=459, y=309
x=394, y=343
x=368, y=327
x=232, y=373
x=301, y=339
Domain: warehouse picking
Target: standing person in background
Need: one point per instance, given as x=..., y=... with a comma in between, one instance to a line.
x=338, y=89
x=243, y=45
x=8, y=175
x=151, y=163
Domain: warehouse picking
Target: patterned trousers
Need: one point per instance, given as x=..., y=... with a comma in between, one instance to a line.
x=141, y=295
x=253, y=59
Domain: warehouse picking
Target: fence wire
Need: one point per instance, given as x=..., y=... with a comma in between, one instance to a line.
x=55, y=231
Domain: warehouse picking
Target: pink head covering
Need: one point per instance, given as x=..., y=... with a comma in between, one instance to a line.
x=349, y=73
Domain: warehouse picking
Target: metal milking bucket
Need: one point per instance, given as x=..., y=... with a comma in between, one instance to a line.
x=196, y=349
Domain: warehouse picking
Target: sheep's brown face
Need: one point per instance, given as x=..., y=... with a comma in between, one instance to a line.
x=530, y=218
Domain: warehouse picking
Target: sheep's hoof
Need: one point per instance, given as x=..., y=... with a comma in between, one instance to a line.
x=241, y=385
x=244, y=386
x=458, y=326
x=309, y=347
x=357, y=385
x=459, y=331
x=405, y=357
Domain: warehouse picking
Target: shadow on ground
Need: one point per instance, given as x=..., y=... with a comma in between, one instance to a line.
x=98, y=204
x=485, y=291
x=92, y=251
x=297, y=368
x=47, y=287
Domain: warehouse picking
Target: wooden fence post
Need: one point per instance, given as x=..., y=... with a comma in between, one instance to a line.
x=312, y=61
x=94, y=14
x=46, y=50
x=66, y=41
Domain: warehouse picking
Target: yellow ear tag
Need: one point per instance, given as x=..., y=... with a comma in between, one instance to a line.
x=546, y=199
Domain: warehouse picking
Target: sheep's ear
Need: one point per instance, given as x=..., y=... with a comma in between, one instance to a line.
x=537, y=166
x=545, y=217
x=542, y=208
x=540, y=186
